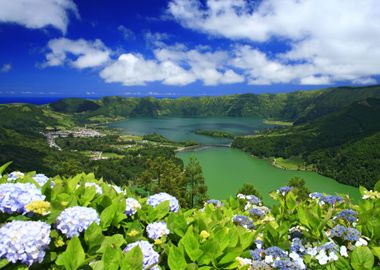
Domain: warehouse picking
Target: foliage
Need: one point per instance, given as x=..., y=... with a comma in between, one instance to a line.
x=294, y=234
x=299, y=188
x=249, y=189
x=195, y=184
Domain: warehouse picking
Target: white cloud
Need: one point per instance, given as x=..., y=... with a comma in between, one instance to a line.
x=133, y=69
x=126, y=32
x=339, y=40
x=78, y=53
x=172, y=65
x=6, y=68
x=38, y=13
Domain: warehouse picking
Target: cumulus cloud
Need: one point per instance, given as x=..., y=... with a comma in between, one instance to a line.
x=77, y=53
x=338, y=39
x=6, y=68
x=134, y=69
x=173, y=65
x=38, y=13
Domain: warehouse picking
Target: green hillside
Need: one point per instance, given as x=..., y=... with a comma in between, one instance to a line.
x=347, y=140
x=299, y=107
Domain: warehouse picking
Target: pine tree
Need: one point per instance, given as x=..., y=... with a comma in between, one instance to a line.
x=195, y=183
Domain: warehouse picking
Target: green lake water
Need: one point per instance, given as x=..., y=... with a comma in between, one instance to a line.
x=182, y=129
x=226, y=169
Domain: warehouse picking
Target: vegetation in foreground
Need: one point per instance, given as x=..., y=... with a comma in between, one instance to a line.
x=117, y=229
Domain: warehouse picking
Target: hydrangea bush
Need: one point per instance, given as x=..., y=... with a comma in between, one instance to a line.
x=72, y=225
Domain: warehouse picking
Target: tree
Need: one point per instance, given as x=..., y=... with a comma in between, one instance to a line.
x=299, y=188
x=249, y=189
x=195, y=184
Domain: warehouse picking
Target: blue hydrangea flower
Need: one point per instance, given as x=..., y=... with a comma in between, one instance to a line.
x=13, y=176
x=297, y=246
x=244, y=221
x=74, y=220
x=323, y=199
x=14, y=197
x=24, y=241
x=260, y=265
x=326, y=253
x=257, y=254
x=348, y=215
x=131, y=206
x=352, y=235
x=156, y=199
x=258, y=211
x=284, y=190
x=275, y=252
x=157, y=230
x=338, y=231
x=150, y=256
x=97, y=187
x=214, y=202
x=41, y=179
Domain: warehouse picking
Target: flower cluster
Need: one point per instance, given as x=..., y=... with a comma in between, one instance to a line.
x=214, y=202
x=349, y=234
x=158, y=198
x=13, y=176
x=252, y=199
x=326, y=199
x=24, y=241
x=97, y=187
x=131, y=206
x=74, y=220
x=258, y=211
x=348, y=215
x=150, y=256
x=284, y=190
x=325, y=253
x=15, y=196
x=276, y=258
x=41, y=180
x=244, y=221
x=157, y=230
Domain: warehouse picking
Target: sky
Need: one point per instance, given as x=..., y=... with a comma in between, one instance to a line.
x=185, y=47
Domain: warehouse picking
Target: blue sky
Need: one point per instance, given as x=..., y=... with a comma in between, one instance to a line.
x=185, y=47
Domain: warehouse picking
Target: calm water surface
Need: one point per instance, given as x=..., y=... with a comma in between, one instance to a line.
x=226, y=169
x=182, y=129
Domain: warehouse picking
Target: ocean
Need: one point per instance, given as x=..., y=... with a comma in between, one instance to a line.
x=31, y=100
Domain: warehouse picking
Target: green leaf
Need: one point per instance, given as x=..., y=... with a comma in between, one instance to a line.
x=111, y=258
x=342, y=264
x=74, y=255
x=376, y=251
x=230, y=256
x=132, y=260
x=362, y=258
x=116, y=240
x=3, y=167
x=191, y=245
x=176, y=259
x=108, y=215
x=3, y=263
x=94, y=237
x=291, y=200
x=376, y=188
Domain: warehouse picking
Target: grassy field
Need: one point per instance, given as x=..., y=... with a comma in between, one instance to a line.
x=290, y=164
x=277, y=122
